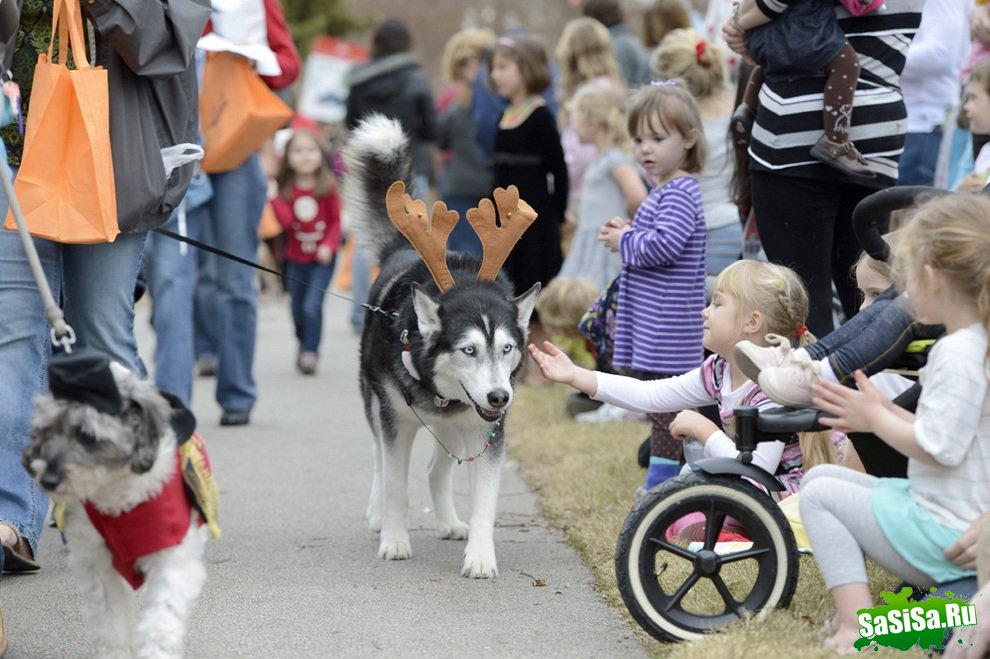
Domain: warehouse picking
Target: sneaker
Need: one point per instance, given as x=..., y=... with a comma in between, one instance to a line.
x=741, y=123
x=751, y=358
x=206, y=367
x=578, y=402
x=235, y=418
x=606, y=413
x=307, y=362
x=790, y=385
x=842, y=156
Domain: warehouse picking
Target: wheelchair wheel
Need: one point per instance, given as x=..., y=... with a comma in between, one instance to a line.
x=677, y=590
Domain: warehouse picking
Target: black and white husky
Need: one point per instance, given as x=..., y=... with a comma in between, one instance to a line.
x=444, y=360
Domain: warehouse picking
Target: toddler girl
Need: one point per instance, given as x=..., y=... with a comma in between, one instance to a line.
x=661, y=294
x=942, y=260
x=794, y=39
x=611, y=184
x=308, y=208
x=750, y=298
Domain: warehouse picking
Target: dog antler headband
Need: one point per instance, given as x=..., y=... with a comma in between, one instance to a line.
x=498, y=232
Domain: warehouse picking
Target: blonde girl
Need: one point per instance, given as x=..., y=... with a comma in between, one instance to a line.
x=686, y=55
x=942, y=262
x=751, y=299
x=662, y=280
x=308, y=208
x=612, y=185
x=584, y=56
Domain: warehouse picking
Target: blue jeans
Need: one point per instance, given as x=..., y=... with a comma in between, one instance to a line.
x=724, y=247
x=227, y=307
x=360, y=285
x=873, y=339
x=171, y=271
x=917, y=164
x=463, y=238
x=98, y=296
x=307, y=300
x=24, y=351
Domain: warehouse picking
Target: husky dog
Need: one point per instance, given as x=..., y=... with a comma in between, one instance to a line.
x=444, y=359
x=104, y=453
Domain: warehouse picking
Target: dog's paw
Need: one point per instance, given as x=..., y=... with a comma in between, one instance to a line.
x=479, y=564
x=395, y=548
x=458, y=530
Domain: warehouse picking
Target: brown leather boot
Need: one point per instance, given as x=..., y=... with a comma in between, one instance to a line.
x=842, y=156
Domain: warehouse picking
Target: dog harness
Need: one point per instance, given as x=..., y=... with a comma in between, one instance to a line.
x=150, y=526
x=161, y=522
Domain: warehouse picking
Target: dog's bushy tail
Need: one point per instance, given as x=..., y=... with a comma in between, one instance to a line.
x=378, y=153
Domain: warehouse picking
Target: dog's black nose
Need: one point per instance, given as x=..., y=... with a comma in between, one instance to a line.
x=50, y=480
x=498, y=398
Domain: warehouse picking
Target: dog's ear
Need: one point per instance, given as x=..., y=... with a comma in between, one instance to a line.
x=427, y=312
x=525, y=304
x=147, y=429
x=183, y=421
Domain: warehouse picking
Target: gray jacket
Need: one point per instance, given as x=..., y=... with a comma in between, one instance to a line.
x=148, y=49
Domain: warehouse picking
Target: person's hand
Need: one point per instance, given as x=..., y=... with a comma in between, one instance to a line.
x=975, y=638
x=324, y=255
x=850, y=410
x=611, y=232
x=963, y=552
x=735, y=39
x=689, y=424
x=973, y=182
x=554, y=364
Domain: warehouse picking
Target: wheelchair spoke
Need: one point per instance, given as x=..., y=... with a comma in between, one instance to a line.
x=714, y=519
x=752, y=552
x=679, y=594
x=723, y=590
x=680, y=552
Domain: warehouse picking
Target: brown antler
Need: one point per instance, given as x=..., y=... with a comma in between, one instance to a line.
x=427, y=235
x=498, y=237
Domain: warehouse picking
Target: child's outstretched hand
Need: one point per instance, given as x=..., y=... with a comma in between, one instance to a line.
x=554, y=363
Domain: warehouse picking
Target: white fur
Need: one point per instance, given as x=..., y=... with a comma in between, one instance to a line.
x=118, y=626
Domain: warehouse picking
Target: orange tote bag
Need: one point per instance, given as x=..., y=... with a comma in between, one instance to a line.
x=237, y=112
x=65, y=184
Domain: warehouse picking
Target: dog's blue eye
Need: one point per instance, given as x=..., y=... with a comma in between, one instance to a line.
x=508, y=348
x=469, y=351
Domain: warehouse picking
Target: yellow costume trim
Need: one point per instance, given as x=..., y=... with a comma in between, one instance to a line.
x=199, y=480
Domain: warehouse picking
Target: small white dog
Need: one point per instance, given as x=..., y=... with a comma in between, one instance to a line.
x=104, y=445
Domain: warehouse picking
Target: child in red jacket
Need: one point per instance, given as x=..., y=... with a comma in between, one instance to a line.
x=308, y=208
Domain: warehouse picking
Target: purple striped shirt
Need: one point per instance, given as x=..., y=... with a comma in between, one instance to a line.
x=662, y=282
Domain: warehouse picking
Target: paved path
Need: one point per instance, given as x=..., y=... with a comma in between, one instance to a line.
x=296, y=573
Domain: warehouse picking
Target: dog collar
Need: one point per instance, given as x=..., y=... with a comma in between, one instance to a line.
x=438, y=400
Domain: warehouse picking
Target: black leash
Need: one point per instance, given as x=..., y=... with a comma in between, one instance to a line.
x=496, y=425
x=233, y=257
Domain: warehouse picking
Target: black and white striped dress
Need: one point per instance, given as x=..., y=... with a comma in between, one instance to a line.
x=789, y=117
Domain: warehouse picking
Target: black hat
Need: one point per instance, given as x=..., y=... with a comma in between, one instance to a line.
x=84, y=376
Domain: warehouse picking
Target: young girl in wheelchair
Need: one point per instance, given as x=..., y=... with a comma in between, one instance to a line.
x=750, y=300
x=943, y=260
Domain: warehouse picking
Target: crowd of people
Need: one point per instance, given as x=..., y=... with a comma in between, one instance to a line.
x=645, y=156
